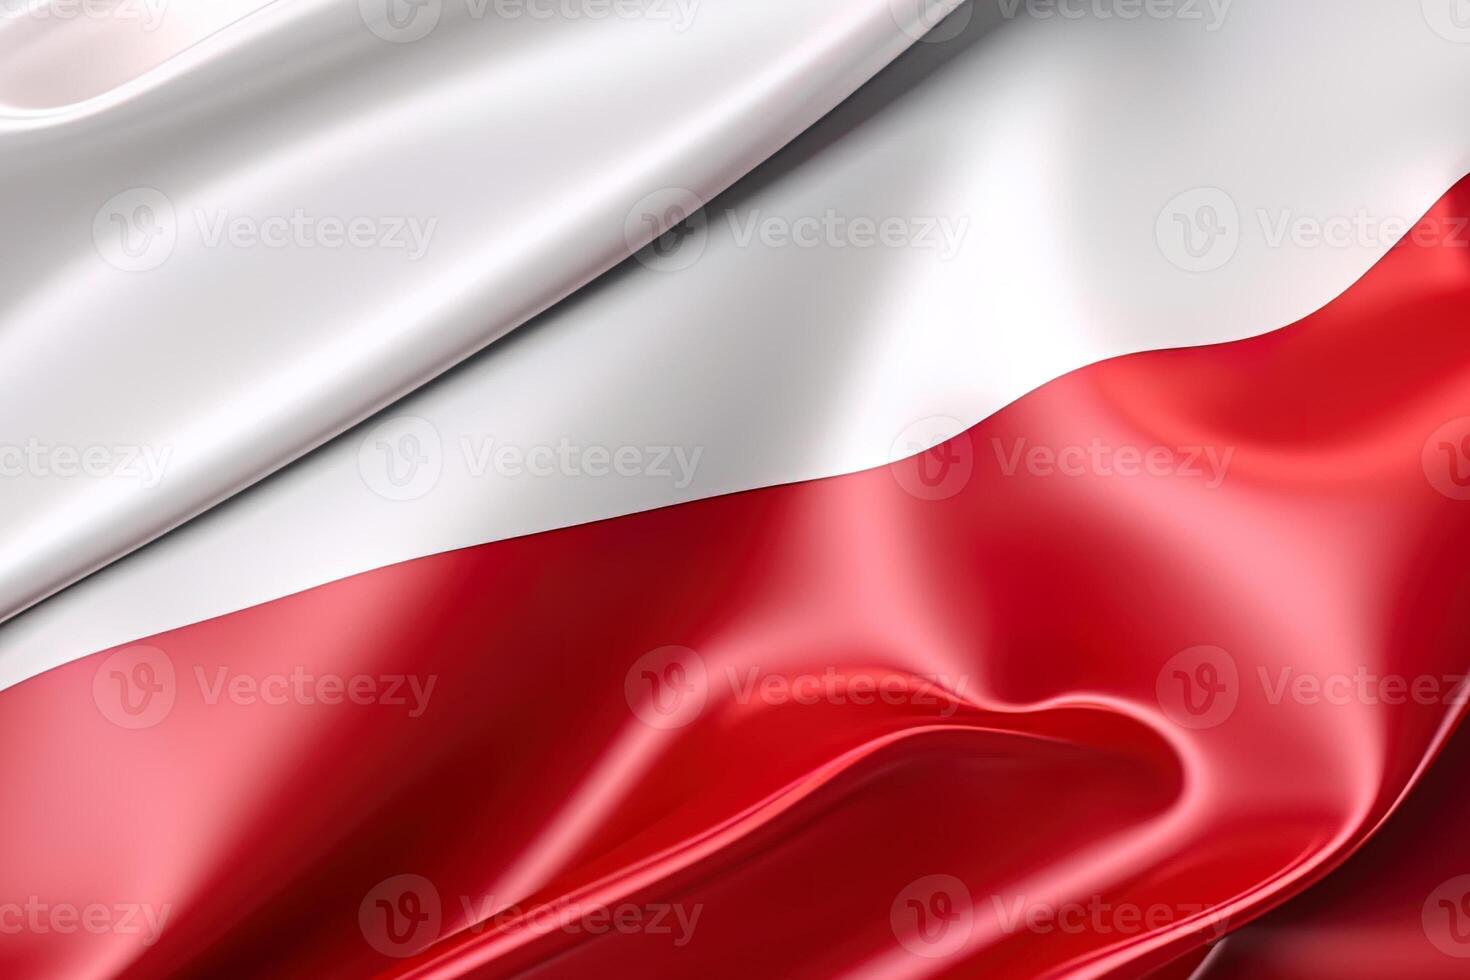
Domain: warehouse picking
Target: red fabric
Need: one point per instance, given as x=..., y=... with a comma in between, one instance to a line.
x=998, y=773
x=1383, y=914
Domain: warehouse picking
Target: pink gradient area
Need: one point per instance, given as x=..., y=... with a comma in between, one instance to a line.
x=55, y=53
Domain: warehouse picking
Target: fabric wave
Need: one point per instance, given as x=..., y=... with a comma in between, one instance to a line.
x=185, y=283
x=1397, y=906
x=1032, y=193
x=1071, y=693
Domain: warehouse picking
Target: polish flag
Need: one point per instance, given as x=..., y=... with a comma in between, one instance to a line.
x=880, y=488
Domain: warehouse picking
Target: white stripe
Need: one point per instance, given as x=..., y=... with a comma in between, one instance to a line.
x=483, y=171
x=1060, y=140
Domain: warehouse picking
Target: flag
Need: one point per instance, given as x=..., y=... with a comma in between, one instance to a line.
x=887, y=489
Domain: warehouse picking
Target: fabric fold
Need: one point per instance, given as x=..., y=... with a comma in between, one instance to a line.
x=1029, y=702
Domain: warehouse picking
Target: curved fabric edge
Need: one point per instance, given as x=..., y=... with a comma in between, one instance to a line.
x=1107, y=644
x=844, y=375
x=304, y=341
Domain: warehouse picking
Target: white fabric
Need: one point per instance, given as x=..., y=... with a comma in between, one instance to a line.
x=511, y=148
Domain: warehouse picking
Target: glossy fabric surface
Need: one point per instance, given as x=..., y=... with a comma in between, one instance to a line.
x=986, y=711
x=1047, y=146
